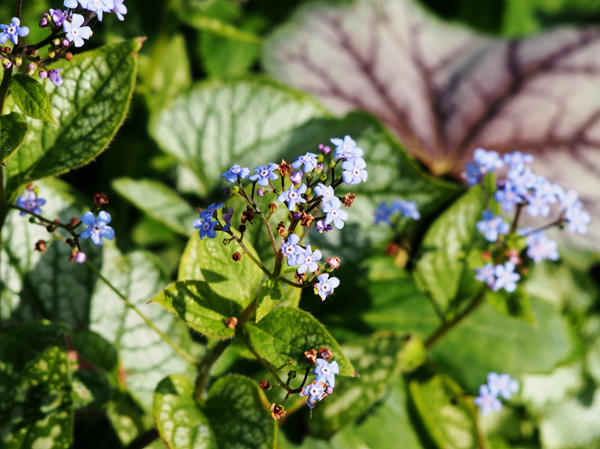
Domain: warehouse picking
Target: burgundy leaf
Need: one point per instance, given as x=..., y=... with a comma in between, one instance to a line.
x=445, y=90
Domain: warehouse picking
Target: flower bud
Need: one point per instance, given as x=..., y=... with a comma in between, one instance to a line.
x=80, y=257
x=43, y=74
x=68, y=56
x=333, y=262
x=231, y=322
x=261, y=192
x=56, y=42
x=18, y=61
x=325, y=354
x=41, y=246
x=44, y=21
x=264, y=385
x=281, y=229
x=296, y=177
x=236, y=257
x=277, y=411
x=349, y=199
x=51, y=54
x=284, y=167
x=100, y=200
x=311, y=356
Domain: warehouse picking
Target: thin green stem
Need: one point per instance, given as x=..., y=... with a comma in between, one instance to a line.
x=248, y=253
x=264, y=363
x=262, y=216
x=178, y=349
x=203, y=375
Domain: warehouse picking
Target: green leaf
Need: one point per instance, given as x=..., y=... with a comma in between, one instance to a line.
x=379, y=360
x=89, y=106
x=444, y=265
x=269, y=295
x=180, y=423
x=212, y=261
x=515, y=305
x=284, y=335
x=199, y=307
x=13, y=129
x=236, y=409
x=159, y=201
x=213, y=25
x=448, y=417
x=36, y=408
x=94, y=349
x=470, y=351
x=31, y=98
x=210, y=127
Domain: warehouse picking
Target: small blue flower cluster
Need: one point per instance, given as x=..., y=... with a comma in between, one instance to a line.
x=323, y=384
x=30, y=201
x=97, y=227
x=497, y=385
x=389, y=213
x=519, y=189
x=208, y=223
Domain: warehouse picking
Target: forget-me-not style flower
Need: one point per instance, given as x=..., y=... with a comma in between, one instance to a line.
x=291, y=250
x=540, y=248
x=354, y=171
x=205, y=225
x=308, y=160
x=264, y=173
x=508, y=197
x=472, y=174
x=333, y=213
x=502, y=384
x=486, y=274
x=346, y=148
x=58, y=16
x=97, y=228
x=517, y=160
x=119, y=9
x=13, y=31
x=383, y=214
x=55, y=77
x=487, y=401
x=487, y=161
x=99, y=7
x=292, y=196
x=506, y=277
x=326, y=372
x=72, y=4
x=325, y=192
x=315, y=391
x=76, y=33
x=307, y=260
x=492, y=227
x=326, y=285
x=30, y=201
x=578, y=219
x=234, y=171
x=406, y=208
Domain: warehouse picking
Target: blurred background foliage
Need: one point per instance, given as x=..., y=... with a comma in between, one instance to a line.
x=190, y=41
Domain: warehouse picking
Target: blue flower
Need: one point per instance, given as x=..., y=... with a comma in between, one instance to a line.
x=30, y=201
x=97, y=228
x=308, y=260
x=508, y=197
x=292, y=196
x=72, y=4
x=538, y=203
x=354, y=171
x=577, y=217
x=206, y=225
x=334, y=213
x=486, y=274
x=55, y=77
x=99, y=7
x=505, y=277
x=325, y=192
x=308, y=160
x=472, y=174
x=522, y=181
x=296, y=177
x=406, y=208
x=488, y=161
x=76, y=33
x=540, y=248
x=346, y=148
x=492, y=227
x=383, y=214
x=326, y=372
x=517, y=160
x=502, y=384
x=234, y=171
x=264, y=173
x=315, y=391
x=487, y=401
x=119, y=9
x=13, y=31
x=58, y=16
x=292, y=251
x=326, y=285
x=227, y=218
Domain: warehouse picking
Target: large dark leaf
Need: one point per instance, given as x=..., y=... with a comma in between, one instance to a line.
x=445, y=90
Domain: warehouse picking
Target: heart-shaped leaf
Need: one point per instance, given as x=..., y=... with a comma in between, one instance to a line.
x=210, y=260
x=12, y=132
x=286, y=333
x=445, y=90
x=237, y=399
x=36, y=408
x=180, y=423
x=89, y=107
x=217, y=124
x=199, y=307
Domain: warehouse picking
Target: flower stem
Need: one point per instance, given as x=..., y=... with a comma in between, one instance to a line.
x=19, y=8
x=178, y=349
x=248, y=253
x=203, y=375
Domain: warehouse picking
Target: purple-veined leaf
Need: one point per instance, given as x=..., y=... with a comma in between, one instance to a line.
x=445, y=90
